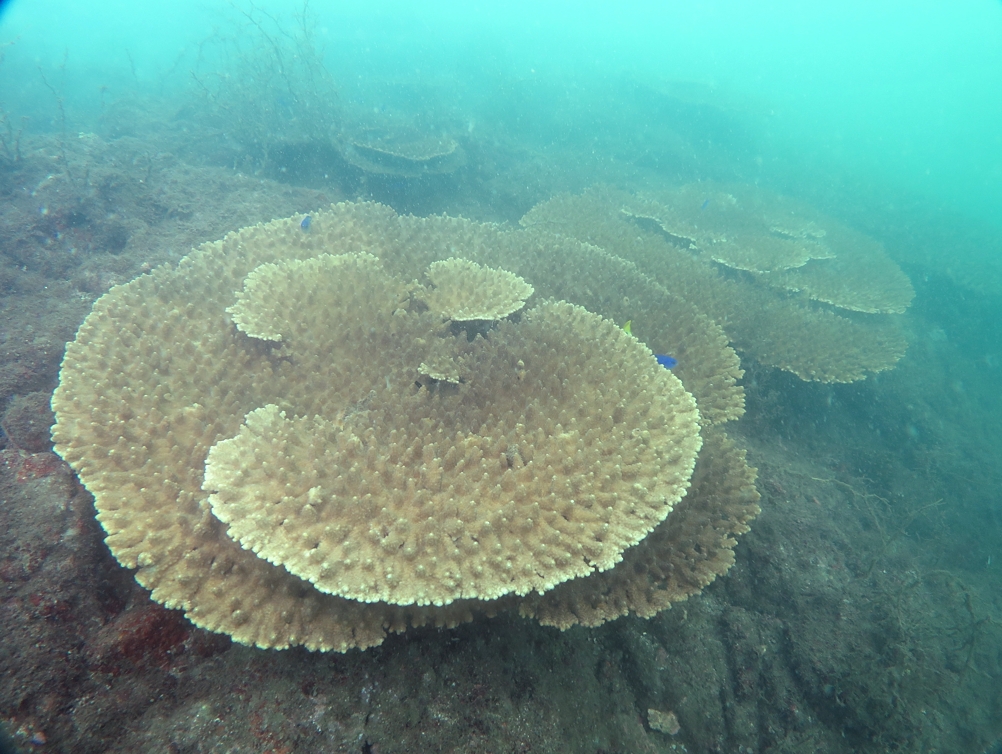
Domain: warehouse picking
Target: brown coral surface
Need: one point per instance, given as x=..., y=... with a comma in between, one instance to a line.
x=596, y=439
x=564, y=446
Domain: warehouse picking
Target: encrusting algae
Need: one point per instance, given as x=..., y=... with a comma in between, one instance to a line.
x=269, y=446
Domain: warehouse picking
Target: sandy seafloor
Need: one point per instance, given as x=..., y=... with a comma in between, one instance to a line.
x=864, y=613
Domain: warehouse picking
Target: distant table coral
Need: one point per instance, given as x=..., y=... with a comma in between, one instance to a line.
x=791, y=287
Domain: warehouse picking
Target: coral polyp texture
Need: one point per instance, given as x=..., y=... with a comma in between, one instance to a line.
x=269, y=447
x=465, y=291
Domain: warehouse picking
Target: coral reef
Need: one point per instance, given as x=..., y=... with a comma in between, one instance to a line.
x=308, y=429
x=856, y=618
x=739, y=264
x=465, y=291
x=392, y=149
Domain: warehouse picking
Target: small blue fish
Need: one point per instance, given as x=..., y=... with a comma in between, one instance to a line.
x=306, y=223
x=666, y=361
x=705, y=204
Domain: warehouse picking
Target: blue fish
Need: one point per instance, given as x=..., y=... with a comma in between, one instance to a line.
x=306, y=223
x=705, y=204
x=666, y=361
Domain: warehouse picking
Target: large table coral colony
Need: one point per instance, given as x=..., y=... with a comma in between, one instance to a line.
x=319, y=433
